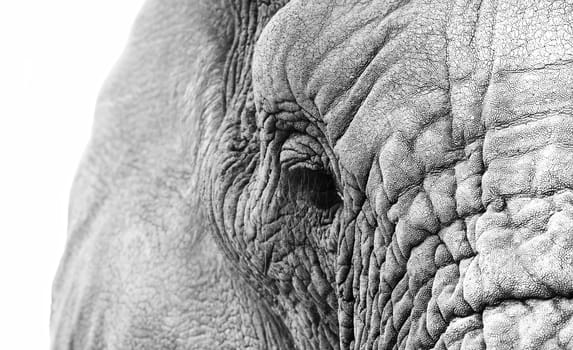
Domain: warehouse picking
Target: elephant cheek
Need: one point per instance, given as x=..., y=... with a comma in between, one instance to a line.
x=421, y=272
x=386, y=289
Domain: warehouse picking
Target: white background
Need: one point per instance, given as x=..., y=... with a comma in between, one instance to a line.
x=54, y=56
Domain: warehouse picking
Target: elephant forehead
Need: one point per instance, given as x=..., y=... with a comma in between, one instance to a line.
x=379, y=73
x=315, y=53
x=362, y=69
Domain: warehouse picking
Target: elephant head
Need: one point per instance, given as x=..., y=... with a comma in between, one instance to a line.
x=329, y=174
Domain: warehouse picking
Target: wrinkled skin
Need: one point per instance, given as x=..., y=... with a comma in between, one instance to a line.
x=328, y=175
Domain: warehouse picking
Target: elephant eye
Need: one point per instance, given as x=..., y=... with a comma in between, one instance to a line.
x=314, y=186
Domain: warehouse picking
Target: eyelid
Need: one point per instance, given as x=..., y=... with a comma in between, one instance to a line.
x=306, y=172
x=300, y=148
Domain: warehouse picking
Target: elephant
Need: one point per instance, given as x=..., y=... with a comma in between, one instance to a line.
x=327, y=174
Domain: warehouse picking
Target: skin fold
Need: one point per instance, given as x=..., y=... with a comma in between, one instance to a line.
x=328, y=174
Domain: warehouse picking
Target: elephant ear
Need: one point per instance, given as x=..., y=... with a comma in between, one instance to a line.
x=141, y=269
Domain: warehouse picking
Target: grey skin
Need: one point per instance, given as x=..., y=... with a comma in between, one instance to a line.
x=328, y=175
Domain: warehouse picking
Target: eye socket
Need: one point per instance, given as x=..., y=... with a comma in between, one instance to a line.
x=316, y=187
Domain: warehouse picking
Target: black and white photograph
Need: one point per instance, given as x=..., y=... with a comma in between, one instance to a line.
x=287, y=175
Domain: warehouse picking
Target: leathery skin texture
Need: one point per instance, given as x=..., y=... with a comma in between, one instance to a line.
x=363, y=175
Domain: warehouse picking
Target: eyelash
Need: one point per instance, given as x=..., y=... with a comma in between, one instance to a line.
x=314, y=186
